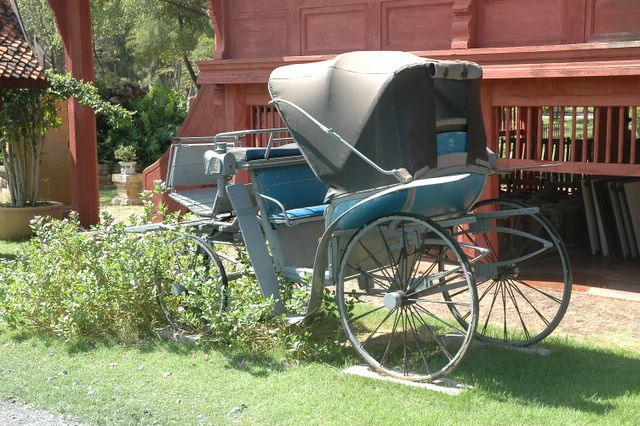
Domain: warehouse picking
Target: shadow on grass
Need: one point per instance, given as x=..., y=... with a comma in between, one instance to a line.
x=576, y=376
x=257, y=365
x=144, y=344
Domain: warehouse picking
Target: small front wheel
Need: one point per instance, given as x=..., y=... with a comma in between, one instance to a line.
x=389, y=291
x=194, y=286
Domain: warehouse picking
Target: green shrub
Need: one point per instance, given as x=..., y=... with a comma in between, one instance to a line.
x=102, y=285
x=159, y=113
x=125, y=153
x=78, y=285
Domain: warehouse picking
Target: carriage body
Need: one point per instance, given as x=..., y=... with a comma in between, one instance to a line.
x=375, y=194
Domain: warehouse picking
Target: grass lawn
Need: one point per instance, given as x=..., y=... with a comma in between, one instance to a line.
x=8, y=249
x=164, y=383
x=120, y=213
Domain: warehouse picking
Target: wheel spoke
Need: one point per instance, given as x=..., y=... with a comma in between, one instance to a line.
x=415, y=262
x=430, y=314
x=504, y=311
x=430, y=269
x=394, y=265
x=441, y=302
x=393, y=332
x=436, y=339
x=373, y=277
x=414, y=328
x=486, y=291
x=405, y=367
x=529, y=241
x=405, y=279
x=377, y=262
x=555, y=299
x=542, y=317
x=517, y=308
x=376, y=329
x=493, y=301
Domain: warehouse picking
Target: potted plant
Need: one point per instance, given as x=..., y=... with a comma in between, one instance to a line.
x=25, y=117
x=126, y=156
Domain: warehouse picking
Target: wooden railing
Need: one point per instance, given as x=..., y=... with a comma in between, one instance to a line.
x=599, y=140
x=264, y=117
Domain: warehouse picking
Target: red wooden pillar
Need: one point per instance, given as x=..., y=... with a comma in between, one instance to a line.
x=74, y=23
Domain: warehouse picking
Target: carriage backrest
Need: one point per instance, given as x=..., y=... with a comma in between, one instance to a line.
x=186, y=166
x=294, y=185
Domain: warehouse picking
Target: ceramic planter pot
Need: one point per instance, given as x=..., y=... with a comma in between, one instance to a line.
x=14, y=221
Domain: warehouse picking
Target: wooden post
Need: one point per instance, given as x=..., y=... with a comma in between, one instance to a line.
x=74, y=23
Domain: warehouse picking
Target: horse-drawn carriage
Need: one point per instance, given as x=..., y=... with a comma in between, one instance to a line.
x=371, y=187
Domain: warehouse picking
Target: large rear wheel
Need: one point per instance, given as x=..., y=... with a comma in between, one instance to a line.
x=389, y=290
x=524, y=283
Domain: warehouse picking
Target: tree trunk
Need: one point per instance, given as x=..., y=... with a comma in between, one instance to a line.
x=190, y=69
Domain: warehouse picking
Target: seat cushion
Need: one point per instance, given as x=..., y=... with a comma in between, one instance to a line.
x=299, y=214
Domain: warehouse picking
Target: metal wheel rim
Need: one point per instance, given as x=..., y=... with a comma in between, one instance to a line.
x=221, y=295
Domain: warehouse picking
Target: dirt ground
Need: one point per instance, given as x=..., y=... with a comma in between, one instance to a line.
x=602, y=318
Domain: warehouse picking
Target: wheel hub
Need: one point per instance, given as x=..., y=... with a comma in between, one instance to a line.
x=508, y=271
x=394, y=300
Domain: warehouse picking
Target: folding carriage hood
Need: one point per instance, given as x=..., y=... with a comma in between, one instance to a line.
x=387, y=105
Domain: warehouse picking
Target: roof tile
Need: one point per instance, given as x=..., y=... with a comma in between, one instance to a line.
x=18, y=63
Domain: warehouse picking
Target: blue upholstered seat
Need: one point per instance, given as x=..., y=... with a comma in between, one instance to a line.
x=299, y=214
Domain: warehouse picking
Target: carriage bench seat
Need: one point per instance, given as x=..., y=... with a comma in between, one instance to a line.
x=292, y=184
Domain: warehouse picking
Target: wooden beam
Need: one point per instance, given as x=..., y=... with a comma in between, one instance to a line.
x=74, y=23
x=604, y=169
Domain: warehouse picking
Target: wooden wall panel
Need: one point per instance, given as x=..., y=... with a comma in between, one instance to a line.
x=260, y=35
x=528, y=23
x=613, y=20
x=416, y=25
x=333, y=29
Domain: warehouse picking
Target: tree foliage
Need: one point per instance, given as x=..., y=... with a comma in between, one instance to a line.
x=26, y=116
x=158, y=114
x=165, y=33
x=41, y=28
x=156, y=41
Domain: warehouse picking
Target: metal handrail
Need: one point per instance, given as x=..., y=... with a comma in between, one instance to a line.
x=279, y=205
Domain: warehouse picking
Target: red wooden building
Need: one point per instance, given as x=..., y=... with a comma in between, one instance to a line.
x=561, y=77
x=550, y=53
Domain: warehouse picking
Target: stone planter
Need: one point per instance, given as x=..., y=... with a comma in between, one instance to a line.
x=127, y=167
x=128, y=189
x=14, y=221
